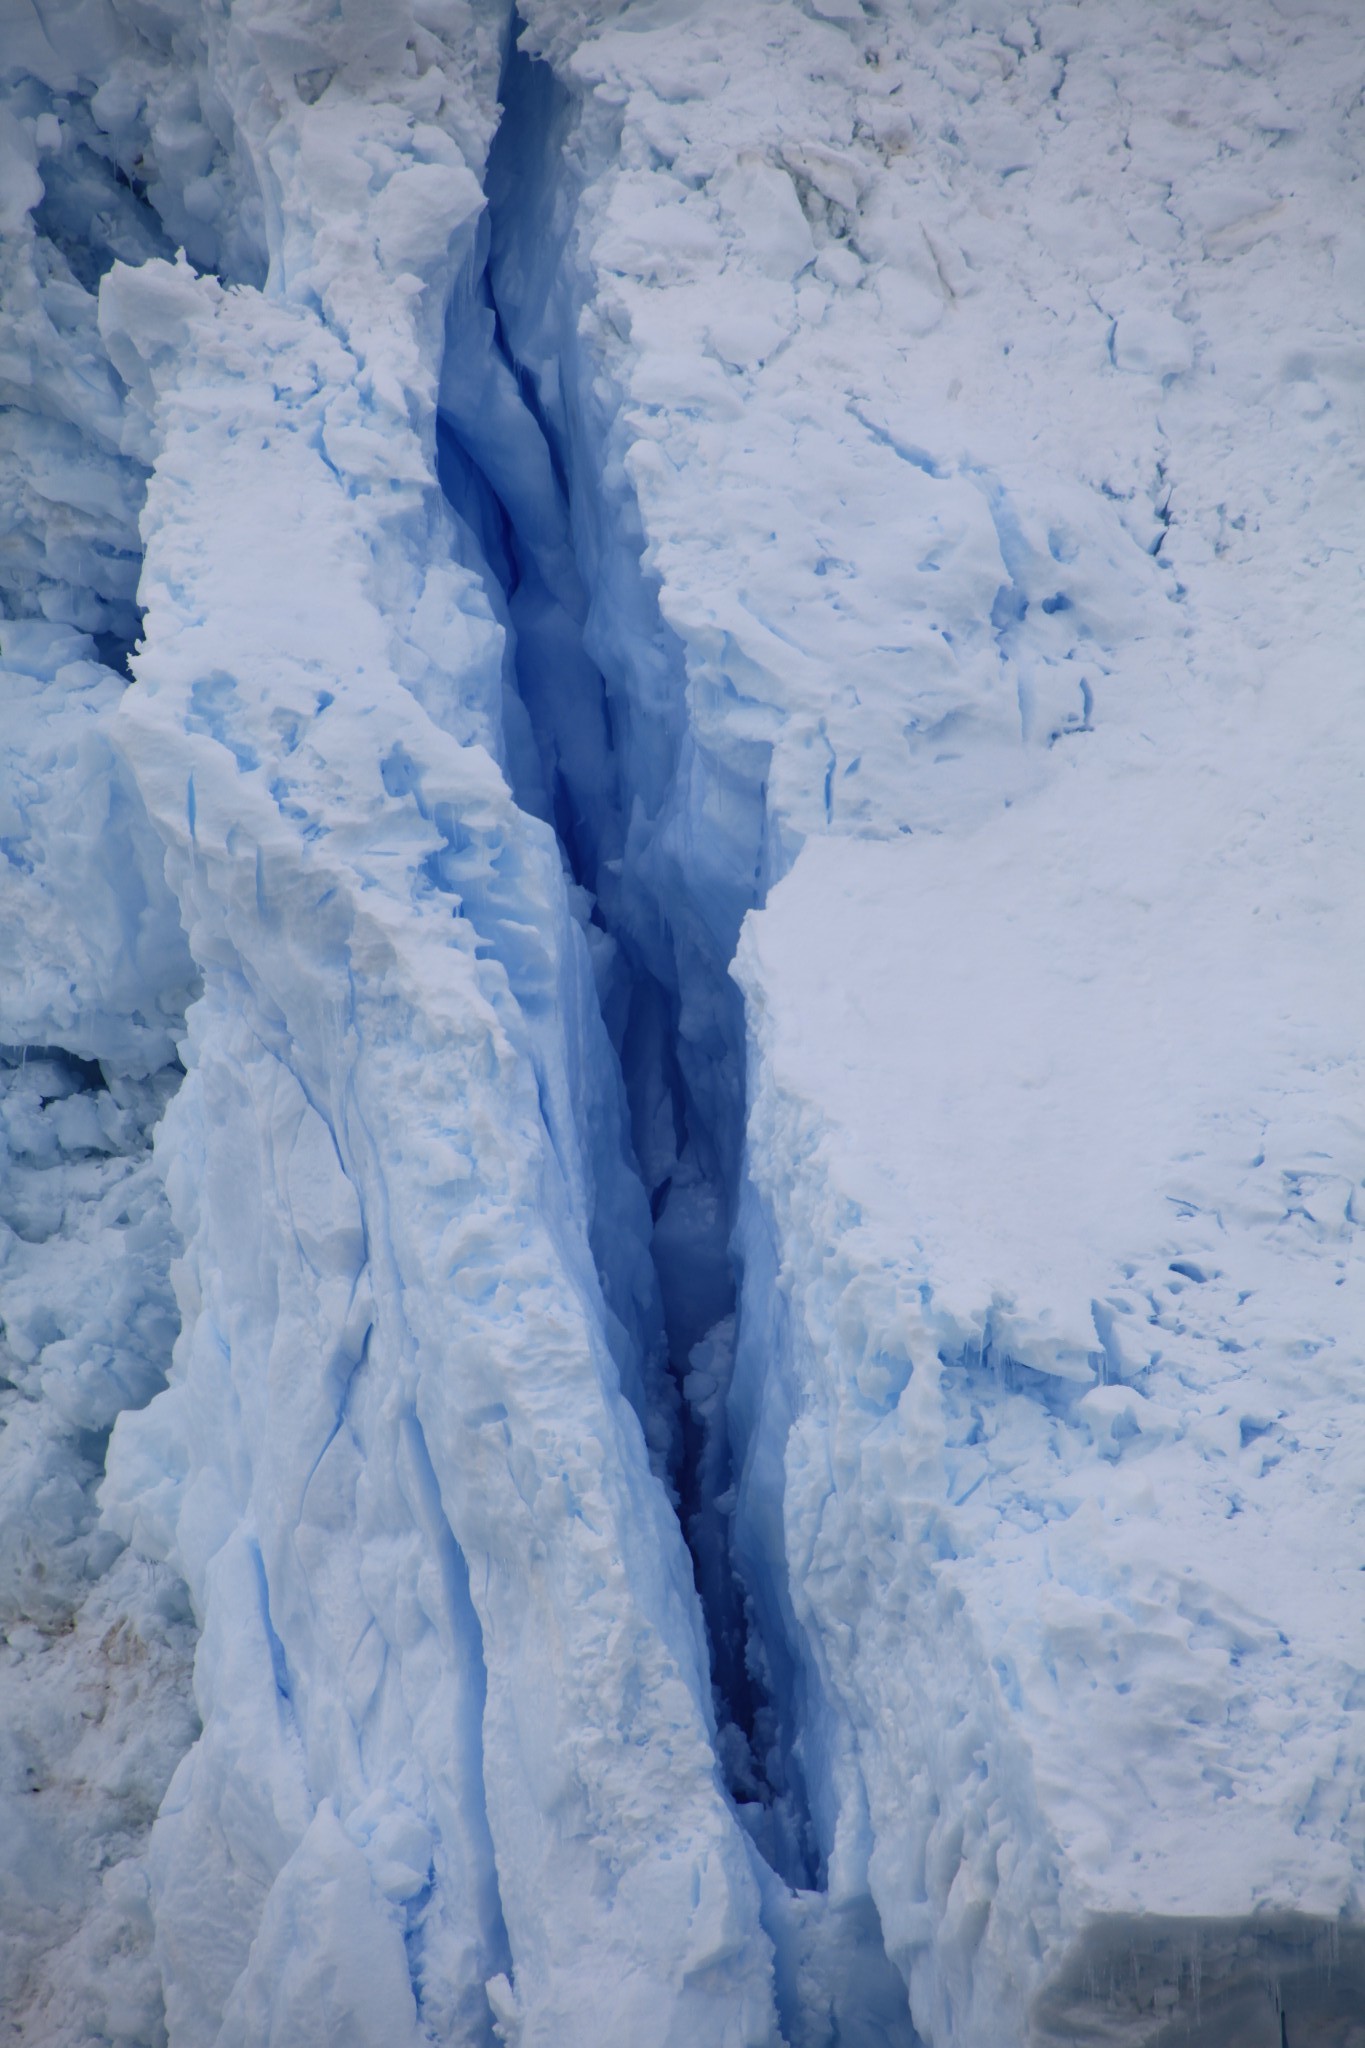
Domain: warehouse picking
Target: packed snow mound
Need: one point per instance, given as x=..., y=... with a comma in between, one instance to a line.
x=679, y=1051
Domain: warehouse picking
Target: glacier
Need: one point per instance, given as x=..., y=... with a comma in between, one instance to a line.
x=679, y=1233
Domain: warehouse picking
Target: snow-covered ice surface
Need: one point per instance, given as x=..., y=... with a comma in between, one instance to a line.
x=587, y=470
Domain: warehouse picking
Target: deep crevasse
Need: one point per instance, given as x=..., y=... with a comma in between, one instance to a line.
x=231, y=1817
x=359, y=1550
x=1049, y=1167
x=400, y=1111
x=680, y=409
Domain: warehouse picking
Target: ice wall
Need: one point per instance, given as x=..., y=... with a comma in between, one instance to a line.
x=675, y=1559
x=97, y=1645
x=915, y=413
x=450, y=1645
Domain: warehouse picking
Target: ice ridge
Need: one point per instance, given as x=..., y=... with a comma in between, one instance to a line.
x=399, y=1023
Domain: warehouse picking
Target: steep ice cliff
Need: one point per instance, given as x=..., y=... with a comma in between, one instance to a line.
x=679, y=1027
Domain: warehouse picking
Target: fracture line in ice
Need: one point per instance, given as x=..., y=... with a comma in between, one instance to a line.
x=413, y=1115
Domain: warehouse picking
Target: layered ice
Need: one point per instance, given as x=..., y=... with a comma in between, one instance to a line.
x=731, y=1474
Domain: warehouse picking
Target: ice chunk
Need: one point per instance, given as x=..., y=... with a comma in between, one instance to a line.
x=99, y=961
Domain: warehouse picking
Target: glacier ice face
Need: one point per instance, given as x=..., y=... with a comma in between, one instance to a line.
x=96, y=1664
x=1090, y=1501
x=421, y=943
x=112, y=148
x=400, y=1120
x=678, y=1557
x=100, y=964
x=95, y=1700
x=1082, y=554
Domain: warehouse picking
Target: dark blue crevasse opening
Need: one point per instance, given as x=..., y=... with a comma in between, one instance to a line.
x=673, y=847
x=598, y=759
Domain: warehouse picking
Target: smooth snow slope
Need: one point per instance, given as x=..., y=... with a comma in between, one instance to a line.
x=902, y=457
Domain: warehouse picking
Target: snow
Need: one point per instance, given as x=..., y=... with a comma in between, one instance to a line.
x=1089, y=1011
x=1082, y=1392
x=679, y=1086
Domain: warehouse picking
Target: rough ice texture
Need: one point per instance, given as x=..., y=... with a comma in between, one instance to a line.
x=1048, y=1345
x=95, y=1706
x=395, y=1137
x=902, y=459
